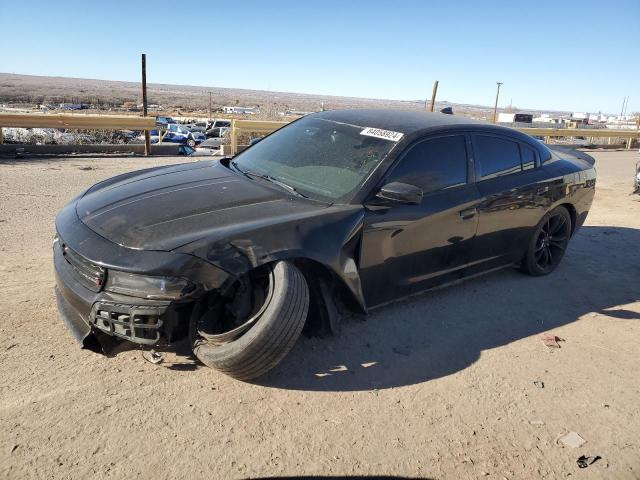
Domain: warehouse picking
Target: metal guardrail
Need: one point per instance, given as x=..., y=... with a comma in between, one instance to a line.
x=557, y=126
x=82, y=122
x=580, y=132
x=124, y=122
x=548, y=133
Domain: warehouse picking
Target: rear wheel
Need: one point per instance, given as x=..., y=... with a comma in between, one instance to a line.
x=191, y=143
x=548, y=243
x=249, y=334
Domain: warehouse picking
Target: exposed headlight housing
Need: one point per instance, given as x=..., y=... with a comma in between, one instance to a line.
x=156, y=288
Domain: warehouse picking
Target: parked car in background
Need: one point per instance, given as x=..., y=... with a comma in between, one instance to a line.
x=515, y=118
x=175, y=133
x=198, y=126
x=218, y=128
x=335, y=213
x=211, y=146
x=164, y=120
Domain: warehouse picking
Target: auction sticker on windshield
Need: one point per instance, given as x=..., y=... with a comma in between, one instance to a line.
x=384, y=134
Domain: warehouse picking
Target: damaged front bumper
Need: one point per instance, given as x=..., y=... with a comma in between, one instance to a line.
x=97, y=317
x=91, y=315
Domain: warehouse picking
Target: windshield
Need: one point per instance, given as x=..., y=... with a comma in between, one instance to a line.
x=319, y=158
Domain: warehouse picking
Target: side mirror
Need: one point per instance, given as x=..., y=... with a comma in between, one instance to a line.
x=401, y=193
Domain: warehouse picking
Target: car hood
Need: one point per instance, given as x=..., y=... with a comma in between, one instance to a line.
x=167, y=207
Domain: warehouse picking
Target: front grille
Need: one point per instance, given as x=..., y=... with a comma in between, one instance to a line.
x=140, y=324
x=88, y=273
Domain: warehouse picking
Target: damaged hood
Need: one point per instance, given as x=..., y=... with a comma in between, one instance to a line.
x=167, y=207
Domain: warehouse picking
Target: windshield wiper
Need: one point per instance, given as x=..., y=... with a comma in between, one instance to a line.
x=275, y=181
x=269, y=178
x=234, y=164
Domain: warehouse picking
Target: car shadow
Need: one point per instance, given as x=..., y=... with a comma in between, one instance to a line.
x=444, y=331
x=339, y=477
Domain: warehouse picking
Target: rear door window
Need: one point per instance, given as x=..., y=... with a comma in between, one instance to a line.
x=434, y=164
x=497, y=156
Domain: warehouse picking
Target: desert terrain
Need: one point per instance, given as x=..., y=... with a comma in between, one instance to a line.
x=29, y=91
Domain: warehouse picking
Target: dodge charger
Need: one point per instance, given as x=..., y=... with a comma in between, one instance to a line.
x=334, y=214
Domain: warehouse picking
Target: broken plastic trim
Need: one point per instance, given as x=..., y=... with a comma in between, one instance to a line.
x=584, y=461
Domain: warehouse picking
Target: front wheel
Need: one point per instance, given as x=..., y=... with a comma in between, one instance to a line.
x=191, y=143
x=252, y=344
x=548, y=243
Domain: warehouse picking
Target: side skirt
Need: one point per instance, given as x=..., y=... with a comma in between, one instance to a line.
x=443, y=285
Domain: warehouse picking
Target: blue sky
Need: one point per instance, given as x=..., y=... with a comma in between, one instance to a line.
x=563, y=55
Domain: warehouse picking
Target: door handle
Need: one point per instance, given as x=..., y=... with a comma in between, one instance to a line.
x=468, y=213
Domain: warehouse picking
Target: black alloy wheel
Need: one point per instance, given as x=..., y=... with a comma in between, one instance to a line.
x=549, y=243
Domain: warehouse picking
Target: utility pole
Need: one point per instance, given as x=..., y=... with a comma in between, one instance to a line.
x=495, y=107
x=433, y=95
x=147, y=138
x=209, y=106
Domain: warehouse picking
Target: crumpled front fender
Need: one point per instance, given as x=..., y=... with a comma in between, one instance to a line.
x=331, y=238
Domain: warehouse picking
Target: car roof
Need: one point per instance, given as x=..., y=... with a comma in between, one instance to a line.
x=410, y=122
x=404, y=121
x=414, y=123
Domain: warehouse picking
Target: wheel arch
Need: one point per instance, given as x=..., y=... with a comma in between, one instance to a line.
x=330, y=293
x=572, y=213
x=347, y=285
x=315, y=272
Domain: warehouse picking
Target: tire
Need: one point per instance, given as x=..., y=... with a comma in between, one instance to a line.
x=271, y=337
x=548, y=243
x=191, y=143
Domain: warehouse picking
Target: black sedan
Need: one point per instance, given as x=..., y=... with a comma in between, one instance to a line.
x=337, y=212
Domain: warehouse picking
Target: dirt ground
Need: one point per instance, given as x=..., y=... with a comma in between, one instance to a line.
x=438, y=386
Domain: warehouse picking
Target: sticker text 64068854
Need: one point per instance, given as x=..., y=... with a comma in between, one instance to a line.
x=380, y=133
